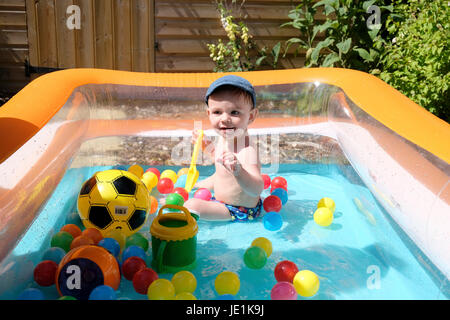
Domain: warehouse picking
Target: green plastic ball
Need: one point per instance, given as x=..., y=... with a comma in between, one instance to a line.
x=175, y=199
x=255, y=257
x=62, y=240
x=137, y=239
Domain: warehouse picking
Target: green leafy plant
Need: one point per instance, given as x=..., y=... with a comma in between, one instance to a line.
x=239, y=52
x=417, y=60
x=343, y=39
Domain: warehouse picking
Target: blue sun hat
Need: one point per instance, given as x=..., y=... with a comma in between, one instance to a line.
x=232, y=80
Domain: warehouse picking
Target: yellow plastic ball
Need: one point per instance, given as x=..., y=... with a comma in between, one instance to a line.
x=137, y=170
x=150, y=180
x=119, y=236
x=161, y=289
x=328, y=203
x=227, y=282
x=323, y=216
x=185, y=296
x=182, y=171
x=306, y=283
x=264, y=244
x=184, y=281
x=169, y=174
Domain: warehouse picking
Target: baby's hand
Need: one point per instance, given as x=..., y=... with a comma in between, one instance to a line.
x=230, y=162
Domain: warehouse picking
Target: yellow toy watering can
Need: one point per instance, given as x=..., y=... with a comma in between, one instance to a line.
x=193, y=173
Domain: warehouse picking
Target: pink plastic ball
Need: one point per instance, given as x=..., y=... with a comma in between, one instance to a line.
x=266, y=180
x=165, y=185
x=283, y=291
x=203, y=194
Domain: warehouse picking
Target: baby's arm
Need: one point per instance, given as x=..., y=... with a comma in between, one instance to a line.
x=207, y=183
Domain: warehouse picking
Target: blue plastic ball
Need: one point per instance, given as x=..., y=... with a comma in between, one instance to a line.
x=272, y=221
x=181, y=181
x=54, y=254
x=280, y=193
x=103, y=292
x=133, y=251
x=110, y=244
x=31, y=294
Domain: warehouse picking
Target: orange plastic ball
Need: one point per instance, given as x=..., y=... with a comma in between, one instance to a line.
x=94, y=234
x=73, y=229
x=81, y=241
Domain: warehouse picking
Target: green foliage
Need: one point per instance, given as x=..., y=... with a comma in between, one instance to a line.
x=342, y=40
x=417, y=61
x=239, y=53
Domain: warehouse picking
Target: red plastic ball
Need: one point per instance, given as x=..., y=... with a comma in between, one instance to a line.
x=165, y=185
x=278, y=182
x=131, y=266
x=272, y=204
x=143, y=279
x=45, y=272
x=285, y=271
x=154, y=170
x=182, y=191
x=266, y=180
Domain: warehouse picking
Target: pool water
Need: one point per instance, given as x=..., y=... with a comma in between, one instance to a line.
x=363, y=254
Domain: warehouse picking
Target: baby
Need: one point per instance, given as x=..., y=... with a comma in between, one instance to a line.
x=237, y=182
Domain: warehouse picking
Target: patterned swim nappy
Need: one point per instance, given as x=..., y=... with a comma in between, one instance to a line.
x=242, y=213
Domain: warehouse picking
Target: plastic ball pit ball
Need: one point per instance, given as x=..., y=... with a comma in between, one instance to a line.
x=272, y=221
x=185, y=296
x=133, y=251
x=81, y=241
x=203, y=194
x=285, y=271
x=323, y=216
x=161, y=289
x=153, y=205
x=266, y=180
x=31, y=294
x=73, y=229
x=117, y=235
x=264, y=244
x=137, y=170
x=137, y=239
x=184, y=281
x=174, y=199
x=62, y=240
x=155, y=171
x=94, y=234
x=280, y=193
x=54, y=254
x=272, y=204
x=111, y=245
x=131, y=266
x=278, y=182
x=165, y=185
x=328, y=203
x=44, y=273
x=103, y=292
x=150, y=180
x=169, y=174
x=255, y=257
x=182, y=171
x=143, y=279
x=306, y=283
x=283, y=291
x=85, y=268
x=227, y=282
x=182, y=191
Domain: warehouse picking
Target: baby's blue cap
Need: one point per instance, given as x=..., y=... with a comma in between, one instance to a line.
x=232, y=80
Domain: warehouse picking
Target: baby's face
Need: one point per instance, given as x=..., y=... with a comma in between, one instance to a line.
x=230, y=114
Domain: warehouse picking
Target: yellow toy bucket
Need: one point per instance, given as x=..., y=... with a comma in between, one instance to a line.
x=174, y=240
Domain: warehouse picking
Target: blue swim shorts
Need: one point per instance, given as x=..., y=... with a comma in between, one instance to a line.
x=242, y=213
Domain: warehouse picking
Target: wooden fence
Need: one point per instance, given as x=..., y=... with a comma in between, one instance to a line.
x=133, y=35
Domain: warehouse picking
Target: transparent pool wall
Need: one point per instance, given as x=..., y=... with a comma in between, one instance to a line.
x=312, y=123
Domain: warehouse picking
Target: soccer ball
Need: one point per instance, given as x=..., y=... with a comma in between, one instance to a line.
x=114, y=199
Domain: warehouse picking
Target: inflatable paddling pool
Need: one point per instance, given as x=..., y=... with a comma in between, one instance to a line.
x=62, y=122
